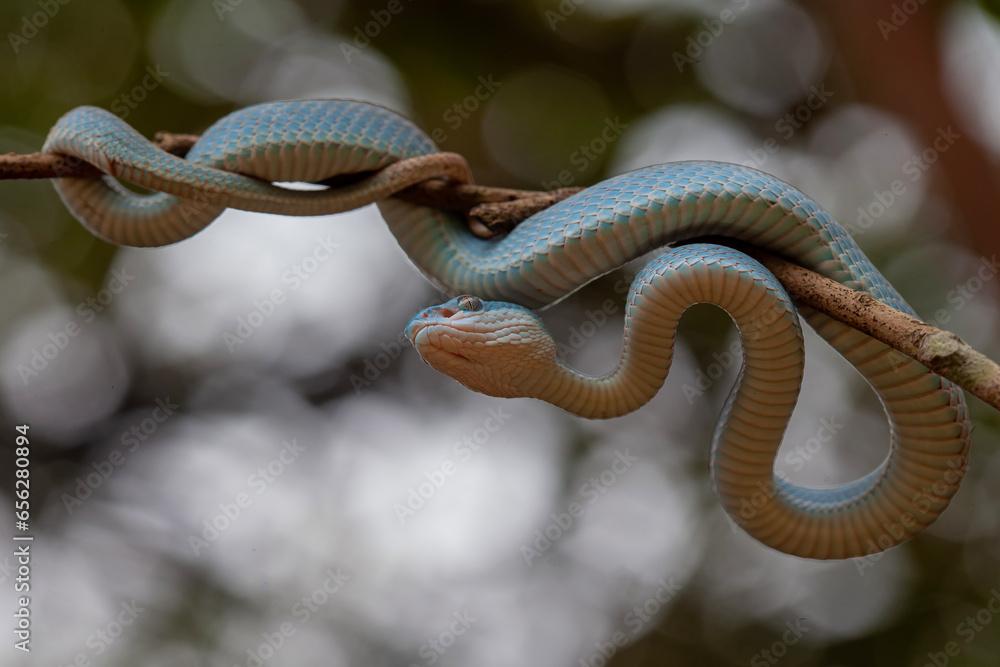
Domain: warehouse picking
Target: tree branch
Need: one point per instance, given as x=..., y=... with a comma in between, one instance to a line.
x=492, y=211
x=941, y=351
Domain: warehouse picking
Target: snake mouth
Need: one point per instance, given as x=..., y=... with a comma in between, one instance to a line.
x=454, y=355
x=416, y=328
x=418, y=334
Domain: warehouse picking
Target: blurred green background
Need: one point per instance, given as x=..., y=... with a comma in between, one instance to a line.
x=393, y=518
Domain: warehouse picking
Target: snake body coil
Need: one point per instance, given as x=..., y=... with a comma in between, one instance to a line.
x=554, y=253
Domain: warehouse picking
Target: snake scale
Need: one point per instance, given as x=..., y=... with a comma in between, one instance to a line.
x=494, y=343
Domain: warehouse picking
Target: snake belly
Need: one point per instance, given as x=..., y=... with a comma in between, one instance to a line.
x=552, y=254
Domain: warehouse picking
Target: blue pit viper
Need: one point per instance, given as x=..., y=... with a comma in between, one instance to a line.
x=488, y=338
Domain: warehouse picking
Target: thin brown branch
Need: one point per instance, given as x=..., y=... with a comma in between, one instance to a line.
x=941, y=351
x=501, y=217
x=178, y=144
x=14, y=166
x=492, y=211
x=24, y=166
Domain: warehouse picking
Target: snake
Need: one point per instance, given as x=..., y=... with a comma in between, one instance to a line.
x=489, y=336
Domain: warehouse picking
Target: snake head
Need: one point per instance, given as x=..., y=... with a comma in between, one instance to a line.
x=495, y=348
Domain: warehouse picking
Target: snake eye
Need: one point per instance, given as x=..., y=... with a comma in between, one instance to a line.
x=470, y=303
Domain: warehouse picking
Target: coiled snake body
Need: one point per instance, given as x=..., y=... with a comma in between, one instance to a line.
x=501, y=348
